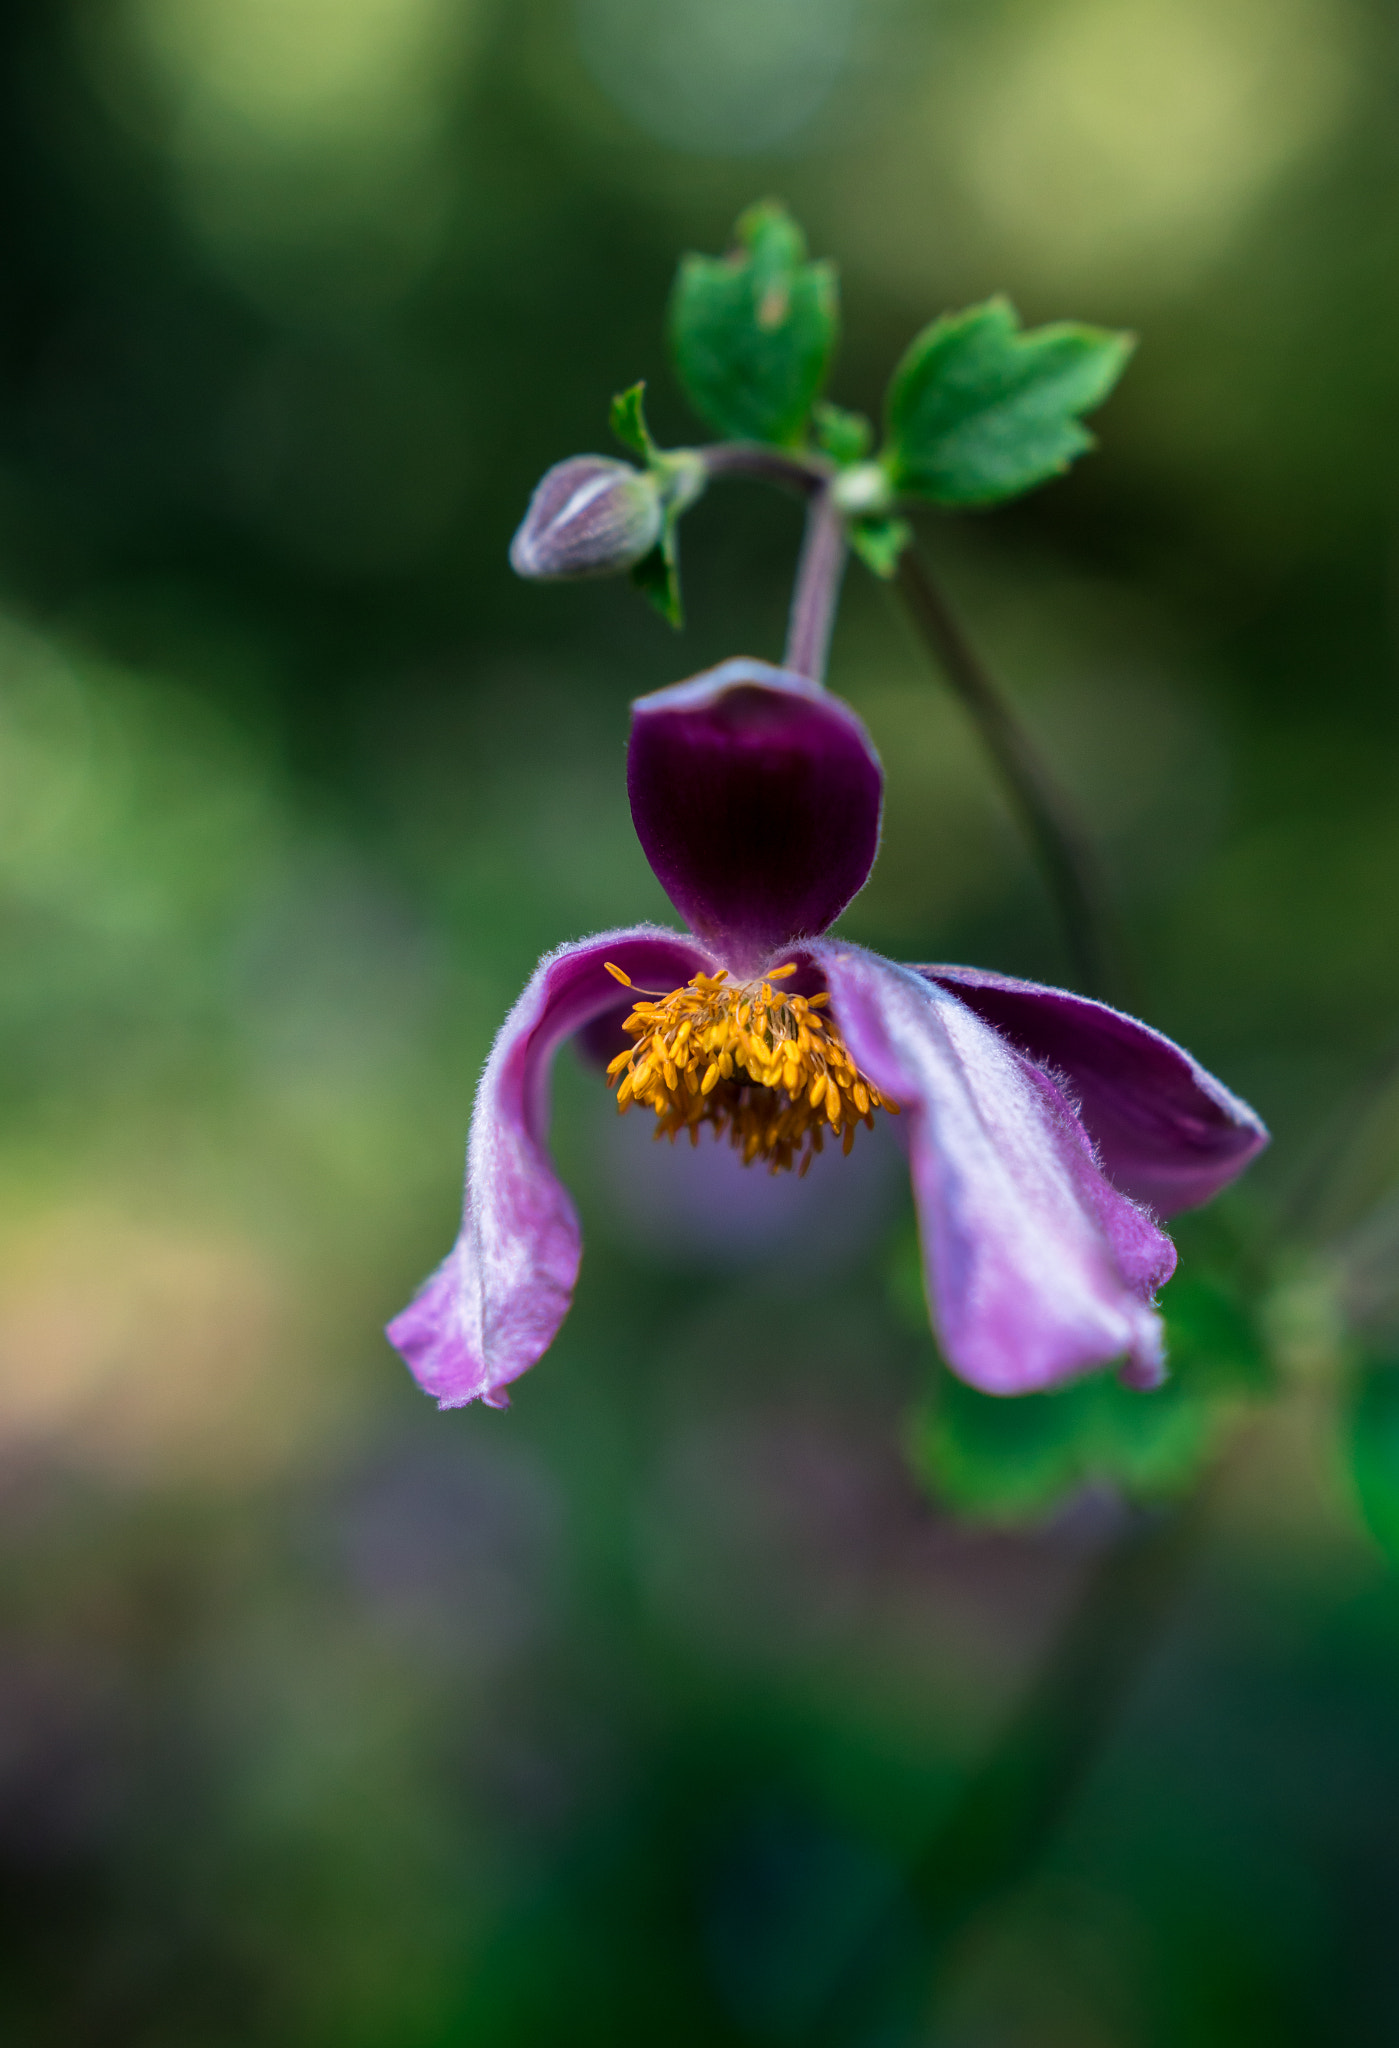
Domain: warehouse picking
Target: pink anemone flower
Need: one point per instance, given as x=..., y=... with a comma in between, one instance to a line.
x=1045, y=1133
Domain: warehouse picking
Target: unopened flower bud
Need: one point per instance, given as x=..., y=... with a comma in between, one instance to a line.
x=589, y=516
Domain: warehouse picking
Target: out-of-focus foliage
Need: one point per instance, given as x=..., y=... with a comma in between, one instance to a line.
x=1374, y=1451
x=327, y=1718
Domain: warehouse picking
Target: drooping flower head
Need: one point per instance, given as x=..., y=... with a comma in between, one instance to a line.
x=1045, y=1132
x=757, y=799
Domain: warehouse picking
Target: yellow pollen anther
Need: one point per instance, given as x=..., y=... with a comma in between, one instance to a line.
x=765, y=1067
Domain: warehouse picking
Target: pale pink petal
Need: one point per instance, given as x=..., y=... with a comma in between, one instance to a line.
x=1037, y=1268
x=495, y=1303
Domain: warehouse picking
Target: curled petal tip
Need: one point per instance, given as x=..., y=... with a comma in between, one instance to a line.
x=1144, y=1367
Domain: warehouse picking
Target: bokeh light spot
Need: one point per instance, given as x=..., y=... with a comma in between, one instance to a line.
x=1142, y=131
x=306, y=137
x=292, y=70
x=725, y=77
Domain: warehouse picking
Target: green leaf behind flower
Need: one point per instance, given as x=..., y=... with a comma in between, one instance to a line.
x=1374, y=1451
x=980, y=410
x=753, y=332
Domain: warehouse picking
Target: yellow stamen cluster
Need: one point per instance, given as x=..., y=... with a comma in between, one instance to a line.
x=748, y=1058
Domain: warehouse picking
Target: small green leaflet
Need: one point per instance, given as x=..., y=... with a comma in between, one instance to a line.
x=628, y=417
x=980, y=410
x=753, y=332
x=844, y=436
x=879, y=542
x=657, y=577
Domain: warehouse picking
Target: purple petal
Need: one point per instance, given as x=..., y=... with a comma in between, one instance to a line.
x=1167, y=1133
x=495, y=1303
x=1037, y=1268
x=756, y=797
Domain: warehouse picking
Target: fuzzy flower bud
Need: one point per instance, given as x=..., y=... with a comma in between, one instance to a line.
x=589, y=516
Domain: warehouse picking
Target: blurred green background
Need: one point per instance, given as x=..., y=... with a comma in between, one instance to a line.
x=325, y=1718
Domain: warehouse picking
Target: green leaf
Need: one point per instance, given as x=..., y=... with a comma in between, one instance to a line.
x=844, y=436
x=1212, y=1337
x=979, y=411
x=753, y=332
x=680, y=476
x=1374, y=1452
x=880, y=542
x=657, y=577
x=1007, y=1460
x=629, y=421
x=1014, y=1459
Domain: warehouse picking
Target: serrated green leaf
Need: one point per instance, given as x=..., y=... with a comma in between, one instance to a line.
x=844, y=436
x=657, y=577
x=628, y=416
x=879, y=543
x=980, y=410
x=1374, y=1451
x=753, y=332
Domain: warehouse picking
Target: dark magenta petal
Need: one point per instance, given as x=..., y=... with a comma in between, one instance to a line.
x=494, y=1304
x=756, y=797
x=1167, y=1133
x=1037, y=1269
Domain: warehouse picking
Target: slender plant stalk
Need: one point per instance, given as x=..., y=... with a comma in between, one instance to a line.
x=1063, y=850
x=804, y=473
x=816, y=592
x=1008, y=1811
x=1067, y=861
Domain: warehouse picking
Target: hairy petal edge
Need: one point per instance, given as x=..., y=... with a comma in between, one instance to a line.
x=1167, y=1133
x=495, y=1303
x=1038, y=1270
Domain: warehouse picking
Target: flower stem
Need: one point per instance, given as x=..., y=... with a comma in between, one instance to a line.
x=1065, y=855
x=816, y=592
x=804, y=473
x=1069, y=867
x=1009, y=1809
x=821, y=566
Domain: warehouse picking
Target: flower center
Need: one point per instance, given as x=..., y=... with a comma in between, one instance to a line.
x=767, y=1067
